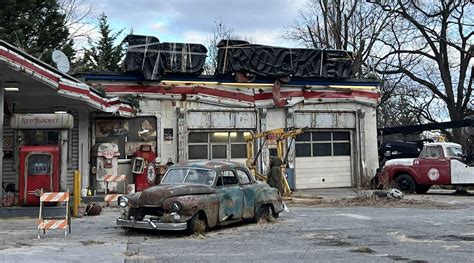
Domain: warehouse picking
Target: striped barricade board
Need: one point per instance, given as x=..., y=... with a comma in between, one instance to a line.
x=55, y=197
x=52, y=224
x=115, y=178
x=112, y=197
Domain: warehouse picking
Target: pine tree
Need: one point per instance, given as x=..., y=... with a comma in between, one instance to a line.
x=104, y=55
x=36, y=26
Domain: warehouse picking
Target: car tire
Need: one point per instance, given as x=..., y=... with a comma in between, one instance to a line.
x=422, y=189
x=262, y=212
x=196, y=225
x=405, y=183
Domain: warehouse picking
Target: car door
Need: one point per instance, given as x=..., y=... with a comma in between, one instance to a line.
x=249, y=188
x=433, y=166
x=230, y=195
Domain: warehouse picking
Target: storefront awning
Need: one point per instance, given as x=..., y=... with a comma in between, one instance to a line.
x=32, y=84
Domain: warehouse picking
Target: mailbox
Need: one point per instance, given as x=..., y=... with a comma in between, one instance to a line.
x=39, y=172
x=104, y=162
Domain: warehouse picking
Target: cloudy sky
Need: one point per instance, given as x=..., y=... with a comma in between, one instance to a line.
x=192, y=21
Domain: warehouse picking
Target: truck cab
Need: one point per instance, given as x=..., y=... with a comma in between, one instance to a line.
x=438, y=164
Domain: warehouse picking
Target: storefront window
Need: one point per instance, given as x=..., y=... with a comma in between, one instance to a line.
x=128, y=134
x=217, y=145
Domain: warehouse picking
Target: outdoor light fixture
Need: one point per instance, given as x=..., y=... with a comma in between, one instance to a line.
x=11, y=89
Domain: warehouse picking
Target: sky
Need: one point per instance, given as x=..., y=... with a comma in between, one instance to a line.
x=192, y=21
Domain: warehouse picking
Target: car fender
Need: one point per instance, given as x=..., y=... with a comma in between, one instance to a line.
x=192, y=204
x=396, y=170
x=267, y=195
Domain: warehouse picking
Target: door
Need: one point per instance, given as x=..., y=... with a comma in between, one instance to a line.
x=249, y=188
x=230, y=194
x=433, y=166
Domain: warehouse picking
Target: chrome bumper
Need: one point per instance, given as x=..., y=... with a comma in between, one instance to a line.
x=149, y=224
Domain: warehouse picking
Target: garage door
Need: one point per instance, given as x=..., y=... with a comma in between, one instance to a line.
x=323, y=160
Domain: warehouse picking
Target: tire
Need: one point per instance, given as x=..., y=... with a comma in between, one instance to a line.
x=422, y=189
x=262, y=213
x=405, y=183
x=197, y=225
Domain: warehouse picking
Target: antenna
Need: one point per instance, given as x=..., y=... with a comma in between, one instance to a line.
x=61, y=60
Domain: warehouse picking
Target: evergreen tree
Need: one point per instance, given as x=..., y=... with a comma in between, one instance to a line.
x=36, y=26
x=104, y=55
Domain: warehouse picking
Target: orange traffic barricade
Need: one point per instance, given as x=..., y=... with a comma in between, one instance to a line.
x=63, y=223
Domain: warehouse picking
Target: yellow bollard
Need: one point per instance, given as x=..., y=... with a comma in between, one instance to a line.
x=77, y=193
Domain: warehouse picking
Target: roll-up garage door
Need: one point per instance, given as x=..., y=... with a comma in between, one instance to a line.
x=323, y=159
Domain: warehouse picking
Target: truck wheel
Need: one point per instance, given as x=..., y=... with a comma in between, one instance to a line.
x=196, y=225
x=405, y=183
x=422, y=189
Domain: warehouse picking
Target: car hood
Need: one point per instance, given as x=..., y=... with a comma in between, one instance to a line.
x=154, y=196
x=401, y=161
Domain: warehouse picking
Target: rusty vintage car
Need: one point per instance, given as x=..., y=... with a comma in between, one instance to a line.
x=195, y=196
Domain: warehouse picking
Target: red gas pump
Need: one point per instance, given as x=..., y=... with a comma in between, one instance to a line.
x=39, y=172
x=144, y=167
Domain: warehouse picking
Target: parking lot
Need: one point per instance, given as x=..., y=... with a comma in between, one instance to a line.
x=434, y=227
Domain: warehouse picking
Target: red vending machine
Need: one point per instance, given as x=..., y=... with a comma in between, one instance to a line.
x=39, y=172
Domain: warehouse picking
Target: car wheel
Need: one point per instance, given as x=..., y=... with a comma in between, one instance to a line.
x=262, y=213
x=197, y=225
x=422, y=189
x=405, y=183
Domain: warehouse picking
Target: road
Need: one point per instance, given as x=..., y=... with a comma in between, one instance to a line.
x=305, y=234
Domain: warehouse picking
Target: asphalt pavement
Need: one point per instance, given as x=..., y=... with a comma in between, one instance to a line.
x=305, y=234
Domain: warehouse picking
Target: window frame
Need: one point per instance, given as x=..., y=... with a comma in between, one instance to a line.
x=312, y=142
x=229, y=143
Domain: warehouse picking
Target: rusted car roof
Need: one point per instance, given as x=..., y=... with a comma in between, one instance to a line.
x=211, y=164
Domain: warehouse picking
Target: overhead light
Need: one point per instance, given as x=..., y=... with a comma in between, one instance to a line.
x=11, y=89
x=60, y=112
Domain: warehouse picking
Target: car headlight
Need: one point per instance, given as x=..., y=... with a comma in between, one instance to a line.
x=123, y=201
x=175, y=206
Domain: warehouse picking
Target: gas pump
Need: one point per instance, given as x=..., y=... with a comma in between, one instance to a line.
x=39, y=172
x=143, y=167
x=104, y=162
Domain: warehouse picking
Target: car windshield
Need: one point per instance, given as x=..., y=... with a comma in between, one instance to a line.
x=189, y=176
x=454, y=152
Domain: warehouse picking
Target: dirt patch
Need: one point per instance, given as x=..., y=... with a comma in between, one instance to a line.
x=130, y=253
x=322, y=240
x=21, y=244
x=397, y=258
x=92, y=242
x=368, y=200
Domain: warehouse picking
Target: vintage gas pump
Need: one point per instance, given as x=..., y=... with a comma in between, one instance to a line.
x=39, y=172
x=104, y=162
x=143, y=167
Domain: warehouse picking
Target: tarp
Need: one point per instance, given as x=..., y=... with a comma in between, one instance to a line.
x=426, y=127
x=153, y=59
x=276, y=62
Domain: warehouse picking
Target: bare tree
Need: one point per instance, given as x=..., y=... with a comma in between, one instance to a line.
x=428, y=43
x=220, y=31
x=353, y=25
x=81, y=19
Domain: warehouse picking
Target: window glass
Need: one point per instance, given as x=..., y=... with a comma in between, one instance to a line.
x=340, y=136
x=342, y=148
x=227, y=178
x=197, y=137
x=238, y=136
x=434, y=151
x=219, y=151
x=322, y=149
x=321, y=136
x=304, y=137
x=197, y=152
x=243, y=176
x=189, y=176
x=303, y=149
x=39, y=164
x=41, y=137
x=238, y=151
x=219, y=137
x=454, y=151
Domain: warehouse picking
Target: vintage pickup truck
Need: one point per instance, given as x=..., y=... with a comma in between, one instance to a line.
x=438, y=164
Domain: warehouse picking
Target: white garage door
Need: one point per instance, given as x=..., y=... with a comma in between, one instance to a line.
x=323, y=160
